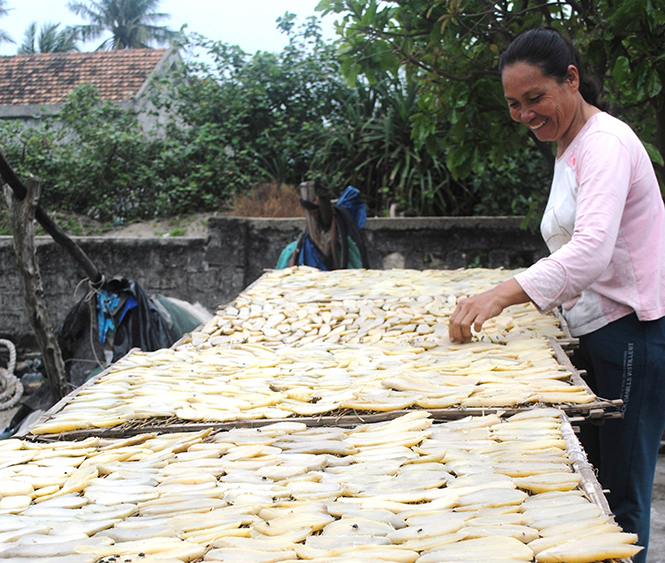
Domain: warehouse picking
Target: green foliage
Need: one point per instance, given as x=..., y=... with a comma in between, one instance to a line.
x=369, y=144
x=230, y=121
x=451, y=49
x=233, y=124
x=4, y=36
x=519, y=185
x=92, y=159
x=255, y=118
x=49, y=39
x=5, y=227
x=131, y=23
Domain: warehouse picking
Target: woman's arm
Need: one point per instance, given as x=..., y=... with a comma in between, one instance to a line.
x=603, y=175
x=474, y=311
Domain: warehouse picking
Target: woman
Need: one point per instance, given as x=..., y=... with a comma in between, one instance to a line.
x=605, y=227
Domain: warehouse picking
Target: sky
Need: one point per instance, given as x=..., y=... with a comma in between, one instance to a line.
x=251, y=24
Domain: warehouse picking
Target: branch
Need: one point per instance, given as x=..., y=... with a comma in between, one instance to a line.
x=59, y=236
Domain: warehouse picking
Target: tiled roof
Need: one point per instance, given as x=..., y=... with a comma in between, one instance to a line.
x=47, y=78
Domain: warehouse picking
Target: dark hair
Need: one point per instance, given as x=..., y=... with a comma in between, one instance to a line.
x=553, y=52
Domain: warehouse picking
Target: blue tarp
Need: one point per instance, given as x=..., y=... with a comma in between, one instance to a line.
x=107, y=303
x=352, y=202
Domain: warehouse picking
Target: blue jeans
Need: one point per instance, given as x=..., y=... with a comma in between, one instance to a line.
x=626, y=360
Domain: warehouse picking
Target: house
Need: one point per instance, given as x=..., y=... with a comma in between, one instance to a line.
x=31, y=84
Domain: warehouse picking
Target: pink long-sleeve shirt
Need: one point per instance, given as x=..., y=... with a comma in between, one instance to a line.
x=605, y=227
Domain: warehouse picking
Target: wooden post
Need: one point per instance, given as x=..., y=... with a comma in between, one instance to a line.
x=22, y=218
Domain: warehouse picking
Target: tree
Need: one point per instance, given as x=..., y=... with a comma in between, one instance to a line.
x=236, y=121
x=451, y=49
x=49, y=39
x=4, y=36
x=369, y=145
x=130, y=22
x=254, y=118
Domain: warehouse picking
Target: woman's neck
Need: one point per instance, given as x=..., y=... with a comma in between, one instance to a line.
x=584, y=112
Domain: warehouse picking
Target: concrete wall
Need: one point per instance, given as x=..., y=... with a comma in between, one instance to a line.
x=213, y=270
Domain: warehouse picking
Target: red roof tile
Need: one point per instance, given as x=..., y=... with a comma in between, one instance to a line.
x=47, y=78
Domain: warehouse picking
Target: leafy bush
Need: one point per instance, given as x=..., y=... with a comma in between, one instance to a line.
x=92, y=159
x=234, y=122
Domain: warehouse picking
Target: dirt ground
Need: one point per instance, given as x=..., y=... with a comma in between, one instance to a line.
x=190, y=226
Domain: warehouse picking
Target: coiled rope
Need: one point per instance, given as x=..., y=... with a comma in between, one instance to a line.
x=11, y=388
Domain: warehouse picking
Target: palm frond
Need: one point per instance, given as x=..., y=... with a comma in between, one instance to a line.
x=29, y=44
x=4, y=36
x=130, y=22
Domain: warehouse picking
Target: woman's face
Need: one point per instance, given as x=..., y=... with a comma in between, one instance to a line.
x=543, y=104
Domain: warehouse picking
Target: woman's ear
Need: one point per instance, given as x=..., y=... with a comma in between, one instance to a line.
x=573, y=77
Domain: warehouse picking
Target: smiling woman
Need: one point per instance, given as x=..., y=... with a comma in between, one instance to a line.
x=605, y=227
x=552, y=95
x=550, y=108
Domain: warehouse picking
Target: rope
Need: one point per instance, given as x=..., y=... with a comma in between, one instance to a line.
x=12, y=387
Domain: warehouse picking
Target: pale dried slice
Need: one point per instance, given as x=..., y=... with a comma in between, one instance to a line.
x=543, y=513
x=393, y=554
x=278, y=526
x=481, y=549
x=492, y=497
x=151, y=545
x=525, y=534
x=536, y=413
x=555, y=498
x=51, y=548
x=524, y=468
x=260, y=542
x=15, y=487
x=541, y=544
x=135, y=534
x=549, y=482
x=598, y=547
x=21, y=528
x=215, y=535
x=88, y=528
x=581, y=514
x=15, y=503
x=432, y=542
x=357, y=526
x=514, y=518
x=32, y=538
x=215, y=518
x=324, y=544
x=571, y=525
x=428, y=529
x=581, y=397
x=71, y=558
x=428, y=520
x=341, y=509
x=240, y=555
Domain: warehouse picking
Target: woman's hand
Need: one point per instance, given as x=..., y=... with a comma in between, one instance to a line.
x=474, y=311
